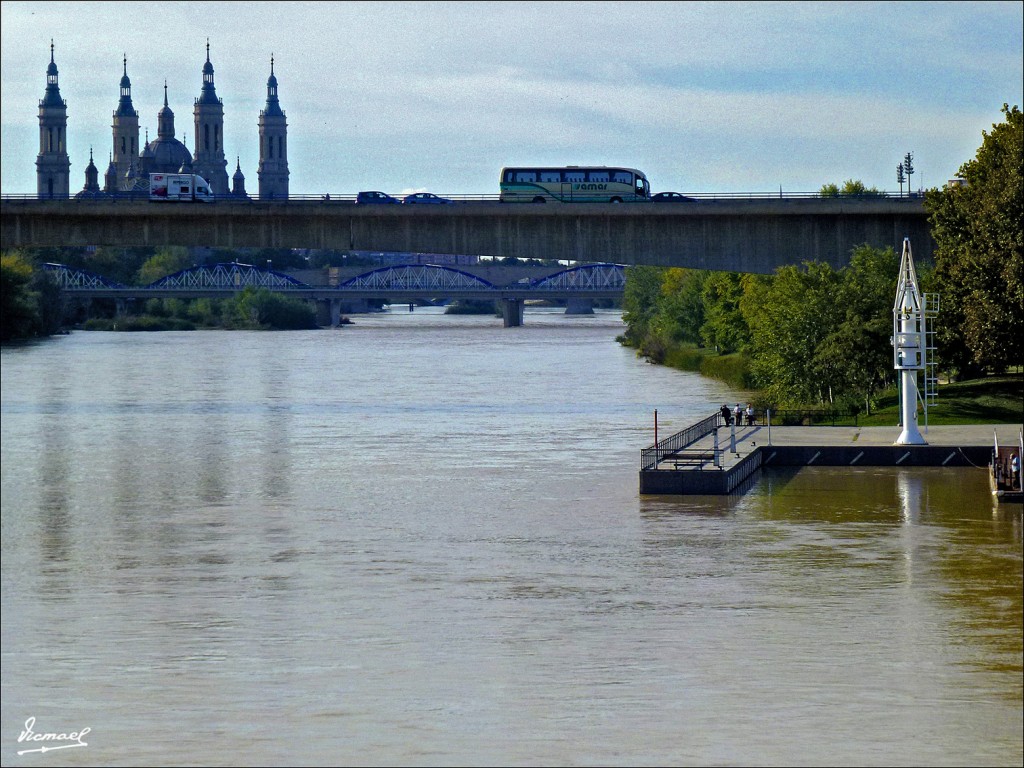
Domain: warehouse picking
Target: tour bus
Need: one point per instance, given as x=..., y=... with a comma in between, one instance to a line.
x=574, y=184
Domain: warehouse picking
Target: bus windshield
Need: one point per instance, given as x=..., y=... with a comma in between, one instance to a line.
x=574, y=184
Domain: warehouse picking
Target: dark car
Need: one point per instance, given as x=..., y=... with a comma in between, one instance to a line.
x=376, y=197
x=426, y=197
x=670, y=197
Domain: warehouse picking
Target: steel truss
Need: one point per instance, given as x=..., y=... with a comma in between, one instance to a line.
x=420, y=277
x=228, y=276
x=589, y=277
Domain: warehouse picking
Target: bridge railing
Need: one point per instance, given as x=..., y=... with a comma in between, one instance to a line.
x=651, y=457
x=350, y=198
x=812, y=418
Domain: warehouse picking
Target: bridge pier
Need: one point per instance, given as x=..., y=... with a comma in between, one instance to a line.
x=579, y=307
x=328, y=312
x=512, y=312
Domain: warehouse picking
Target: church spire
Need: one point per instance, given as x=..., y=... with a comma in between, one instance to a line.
x=165, y=119
x=124, y=105
x=208, y=95
x=52, y=96
x=273, y=107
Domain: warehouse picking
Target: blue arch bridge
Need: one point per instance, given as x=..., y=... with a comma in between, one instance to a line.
x=579, y=286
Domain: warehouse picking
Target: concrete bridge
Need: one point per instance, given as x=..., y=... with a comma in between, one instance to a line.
x=736, y=235
x=578, y=286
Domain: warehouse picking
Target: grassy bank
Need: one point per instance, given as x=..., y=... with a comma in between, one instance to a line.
x=992, y=400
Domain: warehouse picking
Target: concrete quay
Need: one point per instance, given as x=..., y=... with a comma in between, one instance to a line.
x=721, y=461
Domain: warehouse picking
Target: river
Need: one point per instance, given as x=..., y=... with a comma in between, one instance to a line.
x=418, y=540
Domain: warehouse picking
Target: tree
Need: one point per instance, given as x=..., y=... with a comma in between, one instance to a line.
x=260, y=308
x=18, y=315
x=850, y=188
x=858, y=351
x=724, y=327
x=30, y=301
x=978, y=258
x=680, y=306
x=790, y=314
x=164, y=262
x=640, y=302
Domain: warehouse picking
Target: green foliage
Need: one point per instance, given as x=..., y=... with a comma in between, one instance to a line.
x=118, y=264
x=858, y=349
x=850, y=188
x=663, y=309
x=789, y=316
x=821, y=337
x=978, y=262
x=260, y=308
x=31, y=304
x=733, y=369
x=164, y=262
x=680, y=307
x=724, y=327
x=205, y=312
x=810, y=335
x=685, y=357
x=640, y=302
x=19, y=317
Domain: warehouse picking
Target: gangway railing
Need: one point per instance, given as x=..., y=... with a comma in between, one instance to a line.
x=651, y=457
x=931, y=379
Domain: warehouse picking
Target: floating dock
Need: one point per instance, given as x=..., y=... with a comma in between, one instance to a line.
x=710, y=458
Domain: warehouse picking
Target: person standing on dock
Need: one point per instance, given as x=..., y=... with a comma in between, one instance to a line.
x=726, y=415
x=1014, y=472
x=750, y=415
x=738, y=415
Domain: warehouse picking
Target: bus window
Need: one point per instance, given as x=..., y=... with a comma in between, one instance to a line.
x=526, y=176
x=622, y=177
x=574, y=176
x=551, y=176
x=598, y=176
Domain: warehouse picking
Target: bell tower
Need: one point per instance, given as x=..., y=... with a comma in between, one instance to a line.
x=53, y=167
x=209, y=161
x=273, y=167
x=126, y=128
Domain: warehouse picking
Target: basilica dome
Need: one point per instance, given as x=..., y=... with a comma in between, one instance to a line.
x=165, y=154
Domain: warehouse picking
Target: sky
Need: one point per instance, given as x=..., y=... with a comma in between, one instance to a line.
x=703, y=97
